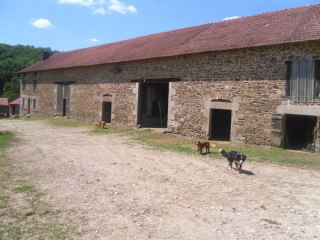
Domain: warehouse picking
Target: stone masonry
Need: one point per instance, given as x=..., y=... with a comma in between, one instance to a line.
x=250, y=80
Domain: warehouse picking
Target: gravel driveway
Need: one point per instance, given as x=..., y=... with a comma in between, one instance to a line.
x=107, y=187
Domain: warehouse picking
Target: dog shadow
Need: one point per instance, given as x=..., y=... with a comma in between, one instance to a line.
x=249, y=173
x=205, y=153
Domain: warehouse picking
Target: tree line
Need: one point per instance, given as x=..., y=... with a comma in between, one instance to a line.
x=12, y=60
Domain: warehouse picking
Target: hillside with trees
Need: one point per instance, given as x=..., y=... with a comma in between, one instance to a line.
x=12, y=60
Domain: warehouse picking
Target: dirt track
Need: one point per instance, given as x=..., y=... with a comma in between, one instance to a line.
x=106, y=187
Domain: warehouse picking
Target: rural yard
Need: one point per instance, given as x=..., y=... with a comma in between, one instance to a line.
x=109, y=187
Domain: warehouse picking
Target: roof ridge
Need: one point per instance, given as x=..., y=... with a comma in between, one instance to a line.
x=271, y=12
x=249, y=31
x=185, y=28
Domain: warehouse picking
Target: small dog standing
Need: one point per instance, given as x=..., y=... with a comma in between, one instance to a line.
x=202, y=145
x=236, y=157
x=100, y=123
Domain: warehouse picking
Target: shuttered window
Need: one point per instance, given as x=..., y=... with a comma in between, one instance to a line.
x=303, y=80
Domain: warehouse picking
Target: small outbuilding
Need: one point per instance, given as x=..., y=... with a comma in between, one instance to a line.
x=14, y=107
x=4, y=107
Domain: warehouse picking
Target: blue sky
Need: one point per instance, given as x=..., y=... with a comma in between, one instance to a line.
x=65, y=25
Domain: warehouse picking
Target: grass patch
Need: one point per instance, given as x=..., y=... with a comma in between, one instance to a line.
x=111, y=129
x=13, y=233
x=56, y=121
x=33, y=196
x=66, y=122
x=276, y=155
x=28, y=189
x=177, y=143
x=149, y=137
x=3, y=201
x=6, y=139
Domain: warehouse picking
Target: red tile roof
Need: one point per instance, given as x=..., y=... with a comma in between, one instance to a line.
x=286, y=26
x=4, y=102
x=16, y=102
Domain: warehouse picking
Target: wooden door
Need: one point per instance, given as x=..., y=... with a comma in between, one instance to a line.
x=277, y=130
x=63, y=99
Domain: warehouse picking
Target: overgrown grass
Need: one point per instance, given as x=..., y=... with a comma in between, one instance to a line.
x=22, y=206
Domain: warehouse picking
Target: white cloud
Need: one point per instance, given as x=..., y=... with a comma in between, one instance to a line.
x=99, y=10
x=94, y=40
x=230, y=18
x=41, y=23
x=86, y=3
x=103, y=6
x=120, y=7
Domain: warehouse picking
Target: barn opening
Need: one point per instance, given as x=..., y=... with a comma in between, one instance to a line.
x=153, y=104
x=299, y=131
x=220, y=124
x=106, y=111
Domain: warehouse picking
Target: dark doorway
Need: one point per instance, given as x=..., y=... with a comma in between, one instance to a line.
x=220, y=124
x=106, y=111
x=299, y=131
x=13, y=110
x=64, y=107
x=153, y=104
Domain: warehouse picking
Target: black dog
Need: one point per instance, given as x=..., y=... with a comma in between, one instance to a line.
x=235, y=157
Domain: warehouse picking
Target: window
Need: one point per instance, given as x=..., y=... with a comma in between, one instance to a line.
x=34, y=104
x=34, y=85
x=303, y=81
x=24, y=83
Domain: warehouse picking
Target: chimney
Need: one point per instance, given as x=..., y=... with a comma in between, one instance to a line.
x=45, y=55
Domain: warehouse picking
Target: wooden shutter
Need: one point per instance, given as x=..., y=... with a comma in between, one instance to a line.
x=317, y=76
x=288, y=78
x=302, y=82
x=277, y=122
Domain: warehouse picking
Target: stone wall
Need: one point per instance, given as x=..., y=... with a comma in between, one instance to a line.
x=252, y=79
x=255, y=102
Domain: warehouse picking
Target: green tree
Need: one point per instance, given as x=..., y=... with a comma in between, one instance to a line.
x=11, y=89
x=12, y=60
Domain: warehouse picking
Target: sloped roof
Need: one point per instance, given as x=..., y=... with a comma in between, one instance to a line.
x=285, y=26
x=4, y=102
x=16, y=102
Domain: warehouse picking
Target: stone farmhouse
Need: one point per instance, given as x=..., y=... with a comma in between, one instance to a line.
x=251, y=80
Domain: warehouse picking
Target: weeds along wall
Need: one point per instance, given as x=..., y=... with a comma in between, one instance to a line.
x=250, y=81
